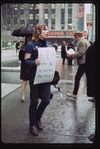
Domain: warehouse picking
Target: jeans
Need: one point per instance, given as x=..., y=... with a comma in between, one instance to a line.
x=81, y=70
x=41, y=91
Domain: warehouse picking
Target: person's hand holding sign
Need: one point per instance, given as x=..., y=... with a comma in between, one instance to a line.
x=37, y=61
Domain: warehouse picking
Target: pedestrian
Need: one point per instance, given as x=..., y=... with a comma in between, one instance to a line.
x=63, y=52
x=71, y=44
x=42, y=90
x=90, y=72
x=83, y=45
x=24, y=73
x=17, y=46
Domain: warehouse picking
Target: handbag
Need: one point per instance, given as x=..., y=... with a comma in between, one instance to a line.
x=21, y=55
x=56, y=78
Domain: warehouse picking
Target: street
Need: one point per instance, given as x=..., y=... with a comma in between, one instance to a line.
x=64, y=120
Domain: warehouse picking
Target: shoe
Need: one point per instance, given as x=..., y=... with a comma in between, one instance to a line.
x=39, y=125
x=33, y=130
x=71, y=95
x=92, y=99
x=23, y=100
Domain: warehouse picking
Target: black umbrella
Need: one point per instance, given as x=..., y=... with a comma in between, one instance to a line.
x=24, y=31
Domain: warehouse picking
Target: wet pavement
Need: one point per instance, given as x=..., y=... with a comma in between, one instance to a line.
x=64, y=121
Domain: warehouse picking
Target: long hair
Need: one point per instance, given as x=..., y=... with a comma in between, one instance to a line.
x=38, y=29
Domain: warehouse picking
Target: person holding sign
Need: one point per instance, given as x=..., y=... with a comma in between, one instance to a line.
x=41, y=90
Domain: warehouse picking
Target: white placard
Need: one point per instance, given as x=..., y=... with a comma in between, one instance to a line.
x=45, y=71
x=70, y=51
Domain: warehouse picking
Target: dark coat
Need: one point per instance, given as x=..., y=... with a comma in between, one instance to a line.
x=32, y=48
x=17, y=44
x=90, y=70
x=63, y=51
x=70, y=45
x=24, y=73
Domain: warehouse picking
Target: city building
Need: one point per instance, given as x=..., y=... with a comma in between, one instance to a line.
x=62, y=19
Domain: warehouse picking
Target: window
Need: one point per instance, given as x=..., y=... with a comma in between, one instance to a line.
x=70, y=16
x=15, y=12
x=21, y=11
x=22, y=17
x=31, y=25
x=53, y=16
x=21, y=25
x=15, y=26
x=15, y=20
x=53, y=26
x=62, y=18
x=53, y=6
x=62, y=6
x=69, y=12
x=69, y=23
x=36, y=6
x=22, y=6
x=15, y=5
x=31, y=6
x=70, y=6
x=31, y=16
x=8, y=20
x=46, y=16
x=37, y=16
x=62, y=26
x=15, y=8
x=8, y=11
x=70, y=26
x=9, y=27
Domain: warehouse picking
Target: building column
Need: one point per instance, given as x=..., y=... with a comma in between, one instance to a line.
x=66, y=17
x=75, y=16
x=26, y=13
x=49, y=16
x=12, y=18
x=58, y=17
x=41, y=13
x=18, y=16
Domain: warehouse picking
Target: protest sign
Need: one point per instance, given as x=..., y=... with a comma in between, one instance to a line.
x=45, y=71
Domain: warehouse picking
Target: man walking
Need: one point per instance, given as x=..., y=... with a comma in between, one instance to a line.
x=63, y=51
x=83, y=45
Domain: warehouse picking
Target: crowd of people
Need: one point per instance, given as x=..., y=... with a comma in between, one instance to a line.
x=85, y=56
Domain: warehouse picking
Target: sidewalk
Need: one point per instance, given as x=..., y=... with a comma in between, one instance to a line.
x=7, y=55
x=64, y=120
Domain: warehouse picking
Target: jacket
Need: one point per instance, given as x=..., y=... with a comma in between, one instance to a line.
x=83, y=45
x=63, y=51
x=32, y=49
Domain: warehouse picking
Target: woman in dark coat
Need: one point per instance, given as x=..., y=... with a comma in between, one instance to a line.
x=24, y=73
x=90, y=71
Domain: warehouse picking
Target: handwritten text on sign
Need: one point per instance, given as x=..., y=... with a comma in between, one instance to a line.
x=45, y=71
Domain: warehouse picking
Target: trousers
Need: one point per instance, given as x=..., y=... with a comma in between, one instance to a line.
x=37, y=91
x=81, y=70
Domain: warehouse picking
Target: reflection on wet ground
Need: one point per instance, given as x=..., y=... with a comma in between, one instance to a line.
x=65, y=120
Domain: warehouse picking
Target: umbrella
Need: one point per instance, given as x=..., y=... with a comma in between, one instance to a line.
x=24, y=31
